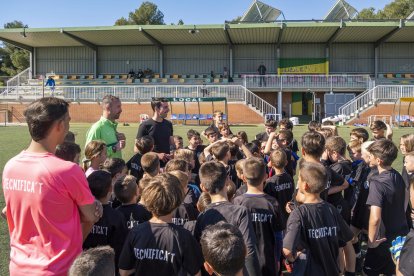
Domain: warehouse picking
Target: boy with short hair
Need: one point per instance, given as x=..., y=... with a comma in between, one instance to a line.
x=117, y=168
x=211, y=134
x=360, y=134
x=213, y=179
x=315, y=229
x=280, y=185
x=195, y=145
x=97, y=261
x=178, y=142
x=159, y=246
x=223, y=249
x=264, y=214
x=380, y=130
x=270, y=126
x=127, y=192
x=283, y=139
x=111, y=228
x=387, y=199
x=144, y=144
x=150, y=164
x=68, y=151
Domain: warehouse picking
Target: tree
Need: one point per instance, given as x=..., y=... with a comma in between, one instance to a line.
x=180, y=22
x=15, y=59
x=236, y=20
x=398, y=9
x=147, y=14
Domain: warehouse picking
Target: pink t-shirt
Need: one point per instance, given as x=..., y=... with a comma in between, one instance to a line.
x=89, y=171
x=42, y=194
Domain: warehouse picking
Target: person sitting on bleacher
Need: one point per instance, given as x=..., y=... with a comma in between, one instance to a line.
x=140, y=74
x=131, y=73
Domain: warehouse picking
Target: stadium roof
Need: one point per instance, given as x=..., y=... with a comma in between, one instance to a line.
x=255, y=33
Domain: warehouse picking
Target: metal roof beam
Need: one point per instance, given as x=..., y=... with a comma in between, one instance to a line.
x=18, y=44
x=80, y=40
x=384, y=39
x=279, y=38
x=335, y=34
x=151, y=38
x=228, y=38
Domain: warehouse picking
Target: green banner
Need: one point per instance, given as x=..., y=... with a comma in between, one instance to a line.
x=195, y=100
x=303, y=66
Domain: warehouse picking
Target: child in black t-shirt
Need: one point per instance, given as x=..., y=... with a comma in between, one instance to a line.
x=195, y=145
x=280, y=185
x=186, y=211
x=223, y=249
x=315, y=229
x=334, y=157
x=187, y=155
x=150, y=164
x=213, y=179
x=191, y=194
x=387, y=198
x=111, y=228
x=144, y=144
x=118, y=169
x=265, y=216
x=159, y=246
x=127, y=192
x=68, y=151
x=282, y=140
x=239, y=170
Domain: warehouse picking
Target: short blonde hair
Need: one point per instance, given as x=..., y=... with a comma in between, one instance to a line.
x=183, y=177
x=184, y=154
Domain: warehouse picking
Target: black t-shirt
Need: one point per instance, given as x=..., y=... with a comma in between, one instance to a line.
x=290, y=165
x=334, y=179
x=232, y=173
x=387, y=191
x=241, y=190
x=267, y=220
x=184, y=213
x=160, y=131
x=317, y=230
x=294, y=145
x=191, y=198
x=161, y=249
x=237, y=216
x=109, y=230
x=406, y=265
x=262, y=70
x=134, y=214
x=134, y=166
x=281, y=187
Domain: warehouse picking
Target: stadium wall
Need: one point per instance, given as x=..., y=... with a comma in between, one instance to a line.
x=352, y=58
x=396, y=58
x=238, y=113
x=196, y=59
x=248, y=57
x=120, y=59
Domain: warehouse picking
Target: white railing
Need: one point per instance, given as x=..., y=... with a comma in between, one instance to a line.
x=317, y=82
x=3, y=89
x=380, y=93
x=261, y=105
x=20, y=79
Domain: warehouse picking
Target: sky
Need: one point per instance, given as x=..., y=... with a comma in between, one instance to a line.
x=87, y=13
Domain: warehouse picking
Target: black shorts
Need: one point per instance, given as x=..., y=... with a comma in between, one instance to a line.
x=379, y=261
x=360, y=213
x=343, y=208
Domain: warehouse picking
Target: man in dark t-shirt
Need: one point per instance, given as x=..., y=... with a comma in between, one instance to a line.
x=160, y=129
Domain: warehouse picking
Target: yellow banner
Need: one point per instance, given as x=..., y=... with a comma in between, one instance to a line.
x=320, y=68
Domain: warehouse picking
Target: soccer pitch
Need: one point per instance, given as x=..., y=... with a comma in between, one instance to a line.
x=14, y=139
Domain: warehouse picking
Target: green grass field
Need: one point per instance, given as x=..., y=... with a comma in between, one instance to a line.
x=14, y=139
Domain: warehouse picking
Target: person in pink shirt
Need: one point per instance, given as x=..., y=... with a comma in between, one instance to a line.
x=49, y=206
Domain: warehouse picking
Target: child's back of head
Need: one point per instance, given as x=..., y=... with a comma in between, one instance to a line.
x=313, y=144
x=336, y=144
x=177, y=165
x=182, y=177
x=223, y=248
x=185, y=154
x=220, y=150
x=213, y=177
x=150, y=163
x=144, y=144
x=116, y=166
x=278, y=159
x=97, y=261
x=314, y=126
x=100, y=184
x=68, y=151
x=314, y=175
x=125, y=189
x=254, y=171
x=163, y=194
x=203, y=201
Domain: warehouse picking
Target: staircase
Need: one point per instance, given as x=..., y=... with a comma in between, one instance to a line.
x=259, y=105
x=20, y=79
x=371, y=97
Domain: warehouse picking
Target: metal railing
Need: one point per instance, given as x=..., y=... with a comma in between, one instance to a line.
x=380, y=93
x=312, y=82
x=20, y=79
x=3, y=89
x=261, y=105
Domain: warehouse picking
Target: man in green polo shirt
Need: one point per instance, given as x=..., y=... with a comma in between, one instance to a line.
x=105, y=128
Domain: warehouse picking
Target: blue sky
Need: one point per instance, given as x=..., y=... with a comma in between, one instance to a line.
x=74, y=13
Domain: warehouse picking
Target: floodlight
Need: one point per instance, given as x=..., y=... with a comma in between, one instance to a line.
x=341, y=10
x=260, y=12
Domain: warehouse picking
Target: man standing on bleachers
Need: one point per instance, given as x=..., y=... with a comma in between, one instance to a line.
x=105, y=128
x=262, y=71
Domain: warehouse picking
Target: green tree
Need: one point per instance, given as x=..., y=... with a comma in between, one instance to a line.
x=147, y=14
x=15, y=59
x=180, y=22
x=398, y=9
x=236, y=20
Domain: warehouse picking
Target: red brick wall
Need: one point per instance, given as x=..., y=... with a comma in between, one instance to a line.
x=381, y=109
x=239, y=113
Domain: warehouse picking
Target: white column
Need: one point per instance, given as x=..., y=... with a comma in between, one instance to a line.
x=279, y=102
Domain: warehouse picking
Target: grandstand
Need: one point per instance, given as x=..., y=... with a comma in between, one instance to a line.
x=345, y=67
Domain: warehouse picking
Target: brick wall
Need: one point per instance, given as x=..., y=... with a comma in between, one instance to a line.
x=239, y=113
x=380, y=109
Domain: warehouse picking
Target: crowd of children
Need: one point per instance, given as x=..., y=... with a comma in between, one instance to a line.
x=232, y=207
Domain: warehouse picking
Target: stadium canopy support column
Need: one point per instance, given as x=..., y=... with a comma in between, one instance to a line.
x=185, y=114
x=32, y=63
x=279, y=102
x=376, y=62
x=95, y=64
x=227, y=111
x=199, y=114
x=161, y=62
x=231, y=62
